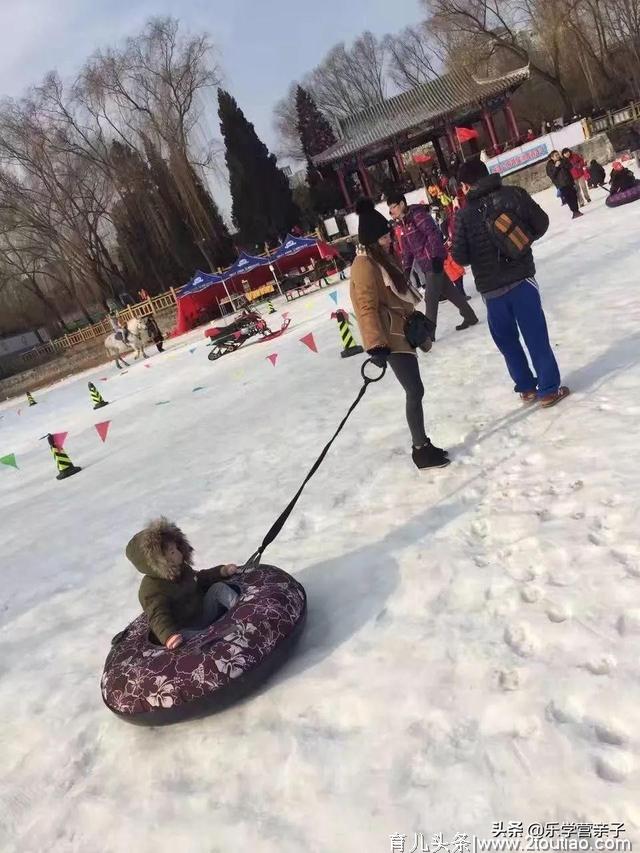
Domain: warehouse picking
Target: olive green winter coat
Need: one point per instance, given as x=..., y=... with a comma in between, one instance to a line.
x=170, y=605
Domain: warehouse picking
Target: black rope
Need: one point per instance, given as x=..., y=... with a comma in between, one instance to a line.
x=279, y=523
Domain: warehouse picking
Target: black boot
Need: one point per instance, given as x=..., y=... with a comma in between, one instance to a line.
x=429, y=456
x=467, y=323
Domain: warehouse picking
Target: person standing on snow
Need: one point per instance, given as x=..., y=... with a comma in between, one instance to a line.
x=634, y=144
x=578, y=173
x=383, y=300
x=154, y=333
x=504, y=273
x=422, y=250
x=559, y=170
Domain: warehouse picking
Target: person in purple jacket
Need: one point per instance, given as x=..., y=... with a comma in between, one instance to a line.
x=421, y=247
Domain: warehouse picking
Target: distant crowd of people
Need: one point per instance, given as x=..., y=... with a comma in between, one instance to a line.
x=572, y=177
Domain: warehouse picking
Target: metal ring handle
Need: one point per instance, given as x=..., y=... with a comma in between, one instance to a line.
x=369, y=379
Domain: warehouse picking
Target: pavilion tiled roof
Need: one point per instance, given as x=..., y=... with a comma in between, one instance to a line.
x=447, y=97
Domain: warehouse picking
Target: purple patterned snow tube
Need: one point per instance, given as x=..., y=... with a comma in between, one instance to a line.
x=624, y=197
x=146, y=683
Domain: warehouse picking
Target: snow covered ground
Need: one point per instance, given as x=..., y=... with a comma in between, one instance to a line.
x=473, y=643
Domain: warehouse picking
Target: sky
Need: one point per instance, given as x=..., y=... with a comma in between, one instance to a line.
x=263, y=46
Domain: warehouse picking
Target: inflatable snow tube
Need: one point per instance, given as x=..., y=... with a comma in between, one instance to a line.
x=147, y=684
x=624, y=197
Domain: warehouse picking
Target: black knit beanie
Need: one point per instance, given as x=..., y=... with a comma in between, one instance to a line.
x=371, y=224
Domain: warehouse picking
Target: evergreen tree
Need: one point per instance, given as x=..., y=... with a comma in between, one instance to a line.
x=316, y=135
x=315, y=132
x=262, y=203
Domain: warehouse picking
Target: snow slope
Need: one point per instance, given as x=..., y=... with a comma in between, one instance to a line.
x=472, y=647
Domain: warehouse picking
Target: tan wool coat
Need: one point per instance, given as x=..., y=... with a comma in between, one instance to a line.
x=380, y=312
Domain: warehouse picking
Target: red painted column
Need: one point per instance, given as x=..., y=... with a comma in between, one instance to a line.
x=364, y=177
x=343, y=187
x=399, y=160
x=452, y=139
x=491, y=131
x=442, y=163
x=511, y=121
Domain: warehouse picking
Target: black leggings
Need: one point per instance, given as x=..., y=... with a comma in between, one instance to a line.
x=407, y=372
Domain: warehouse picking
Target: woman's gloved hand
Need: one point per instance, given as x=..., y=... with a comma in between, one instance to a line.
x=379, y=356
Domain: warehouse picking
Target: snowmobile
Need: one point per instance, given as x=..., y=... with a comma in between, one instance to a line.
x=226, y=339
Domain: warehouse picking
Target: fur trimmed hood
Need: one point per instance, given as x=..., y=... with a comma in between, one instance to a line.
x=144, y=550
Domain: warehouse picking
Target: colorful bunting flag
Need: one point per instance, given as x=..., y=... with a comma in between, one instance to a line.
x=309, y=341
x=163, y=402
x=59, y=438
x=102, y=429
x=199, y=388
x=334, y=296
x=192, y=350
x=273, y=358
x=9, y=459
x=146, y=364
x=19, y=412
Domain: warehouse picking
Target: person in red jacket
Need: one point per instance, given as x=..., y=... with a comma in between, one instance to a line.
x=579, y=173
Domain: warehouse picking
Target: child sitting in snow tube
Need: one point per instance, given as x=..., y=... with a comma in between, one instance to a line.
x=623, y=186
x=201, y=643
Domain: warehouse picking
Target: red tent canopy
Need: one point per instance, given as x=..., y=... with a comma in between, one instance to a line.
x=191, y=306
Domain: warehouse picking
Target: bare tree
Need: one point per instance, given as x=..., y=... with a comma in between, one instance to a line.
x=413, y=57
x=285, y=123
x=348, y=81
x=59, y=184
x=513, y=28
x=151, y=86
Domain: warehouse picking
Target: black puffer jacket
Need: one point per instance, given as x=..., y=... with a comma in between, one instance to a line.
x=472, y=243
x=560, y=173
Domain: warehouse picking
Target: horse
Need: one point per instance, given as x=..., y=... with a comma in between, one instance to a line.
x=115, y=345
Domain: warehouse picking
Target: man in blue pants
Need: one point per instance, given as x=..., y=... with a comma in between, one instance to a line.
x=493, y=233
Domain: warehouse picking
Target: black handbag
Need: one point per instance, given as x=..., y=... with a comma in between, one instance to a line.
x=418, y=329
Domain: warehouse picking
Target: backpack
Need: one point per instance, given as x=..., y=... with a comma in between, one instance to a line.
x=506, y=231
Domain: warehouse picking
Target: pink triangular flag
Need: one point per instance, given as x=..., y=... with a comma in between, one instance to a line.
x=308, y=340
x=285, y=315
x=102, y=429
x=59, y=438
x=147, y=365
x=273, y=358
x=103, y=378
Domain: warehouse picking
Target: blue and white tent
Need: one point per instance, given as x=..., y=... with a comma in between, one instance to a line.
x=292, y=245
x=245, y=264
x=200, y=281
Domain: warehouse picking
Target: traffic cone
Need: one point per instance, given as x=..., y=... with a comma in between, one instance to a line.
x=348, y=343
x=271, y=310
x=30, y=399
x=96, y=397
x=65, y=466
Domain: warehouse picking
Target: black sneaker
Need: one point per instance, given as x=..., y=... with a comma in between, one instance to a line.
x=466, y=324
x=429, y=456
